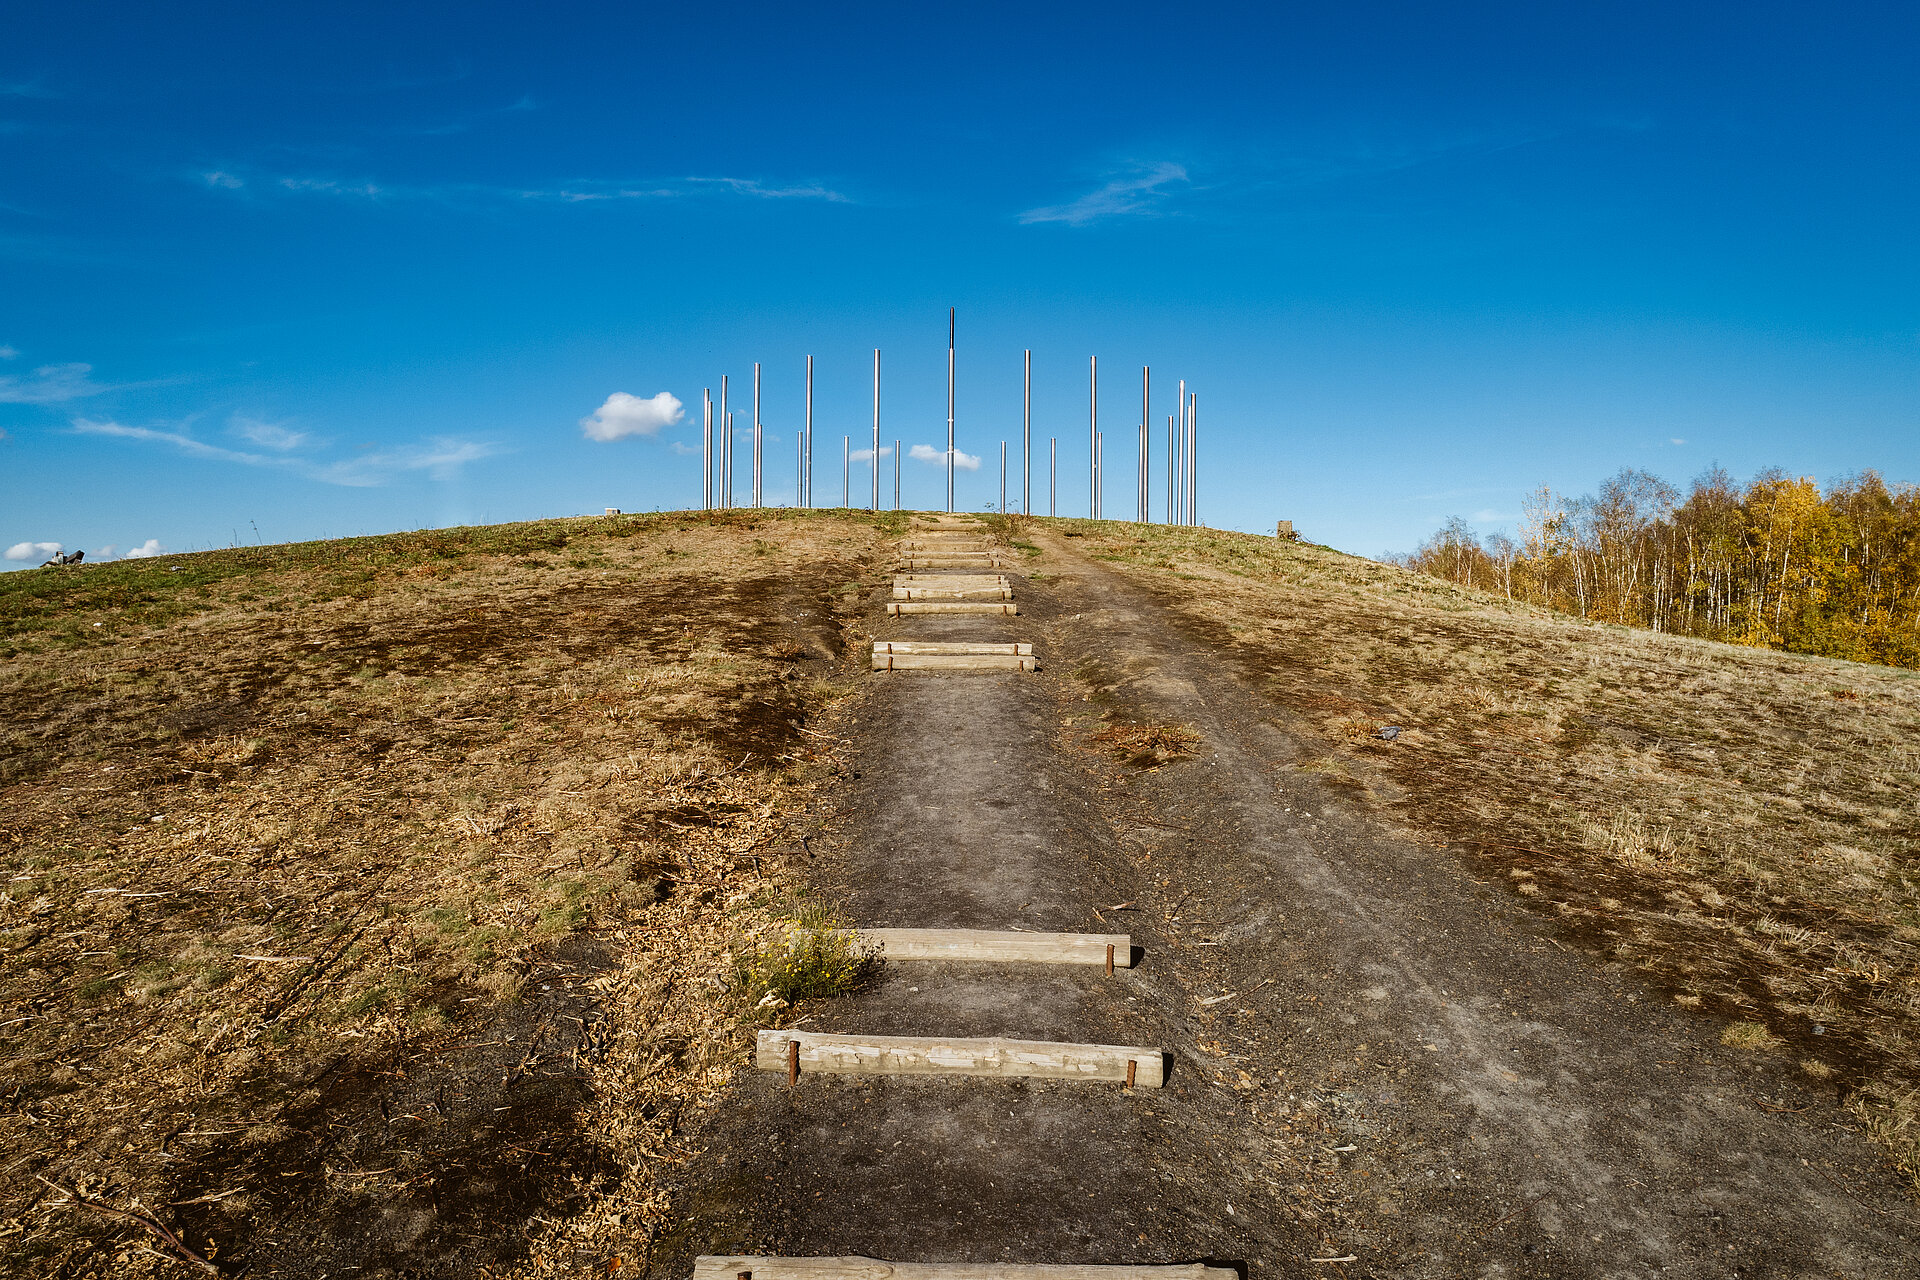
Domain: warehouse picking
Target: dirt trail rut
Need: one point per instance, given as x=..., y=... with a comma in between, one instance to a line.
x=1375, y=1057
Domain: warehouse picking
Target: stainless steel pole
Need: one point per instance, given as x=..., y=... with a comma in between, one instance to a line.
x=949, y=409
x=1171, y=433
x=1146, y=435
x=1093, y=437
x=1193, y=467
x=726, y=448
x=806, y=467
x=1182, y=503
x=800, y=470
x=1099, y=471
x=876, y=429
x=757, y=491
x=1026, y=441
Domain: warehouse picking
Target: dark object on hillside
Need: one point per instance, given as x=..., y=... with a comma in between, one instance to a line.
x=72, y=557
x=1387, y=732
x=1283, y=530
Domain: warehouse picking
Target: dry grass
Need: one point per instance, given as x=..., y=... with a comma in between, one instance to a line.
x=1146, y=745
x=294, y=829
x=1741, y=824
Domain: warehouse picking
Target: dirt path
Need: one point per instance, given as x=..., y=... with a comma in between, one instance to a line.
x=1374, y=1056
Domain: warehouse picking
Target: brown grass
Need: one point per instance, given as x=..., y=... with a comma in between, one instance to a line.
x=1742, y=825
x=297, y=828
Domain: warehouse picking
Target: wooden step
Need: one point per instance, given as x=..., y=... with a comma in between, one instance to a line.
x=951, y=580
x=734, y=1266
x=1001, y=945
x=920, y=591
x=953, y=662
x=952, y=646
x=821, y=1053
x=895, y=608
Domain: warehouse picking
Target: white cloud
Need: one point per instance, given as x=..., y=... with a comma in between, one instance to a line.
x=1140, y=193
x=7, y=352
x=269, y=434
x=146, y=550
x=1676, y=440
x=222, y=179
x=50, y=384
x=866, y=455
x=104, y=553
x=34, y=550
x=628, y=415
x=927, y=453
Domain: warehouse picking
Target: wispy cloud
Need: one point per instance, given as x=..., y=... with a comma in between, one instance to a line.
x=630, y=415
x=270, y=435
x=461, y=124
x=146, y=550
x=866, y=455
x=50, y=384
x=24, y=89
x=9, y=353
x=440, y=456
x=239, y=182
x=34, y=550
x=927, y=453
x=1142, y=191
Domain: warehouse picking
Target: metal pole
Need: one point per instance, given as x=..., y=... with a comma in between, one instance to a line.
x=1170, y=435
x=726, y=448
x=706, y=448
x=1026, y=441
x=896, y=475
x=1193, y=467
x=1145, y=444
x=949, y=409
x=1053, y=456
x=757, y=491
x=1181, y=501
x=806, y=468
x=876, y=429
x=1093, y=437
x=728, y=504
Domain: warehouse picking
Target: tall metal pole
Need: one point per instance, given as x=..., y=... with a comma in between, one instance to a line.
x=806, y=464
x=949, y=407
x=1026, y=441
x=726, y=448
x=1145, y=445
x=896, y=475
x=706, y=448
x=876, y=429
x=1093, y=437
x=1181, y=501
x=1171, y=433
x=1053, y=456
x=1193, y=464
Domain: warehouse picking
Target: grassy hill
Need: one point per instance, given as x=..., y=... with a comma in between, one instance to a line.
x=366, y=898
x=1741, y=824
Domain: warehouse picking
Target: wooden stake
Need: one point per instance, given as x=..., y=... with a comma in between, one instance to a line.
x=793, y=1065
x=1131, y=1064
x=1109, y=959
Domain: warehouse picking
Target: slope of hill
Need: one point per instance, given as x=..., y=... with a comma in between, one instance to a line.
x=364, y=898
x=1740, y=824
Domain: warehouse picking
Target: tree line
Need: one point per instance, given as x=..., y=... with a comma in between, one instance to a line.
x=1776, y=563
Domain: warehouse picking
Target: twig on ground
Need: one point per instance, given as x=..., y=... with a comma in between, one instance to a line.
x=166, y=1237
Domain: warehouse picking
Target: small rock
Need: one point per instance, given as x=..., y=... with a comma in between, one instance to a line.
x=1387, y=732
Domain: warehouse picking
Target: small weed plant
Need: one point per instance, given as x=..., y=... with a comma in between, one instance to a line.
x=815, y=954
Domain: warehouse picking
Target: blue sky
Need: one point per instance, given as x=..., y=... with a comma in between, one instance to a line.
x=282, y=272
